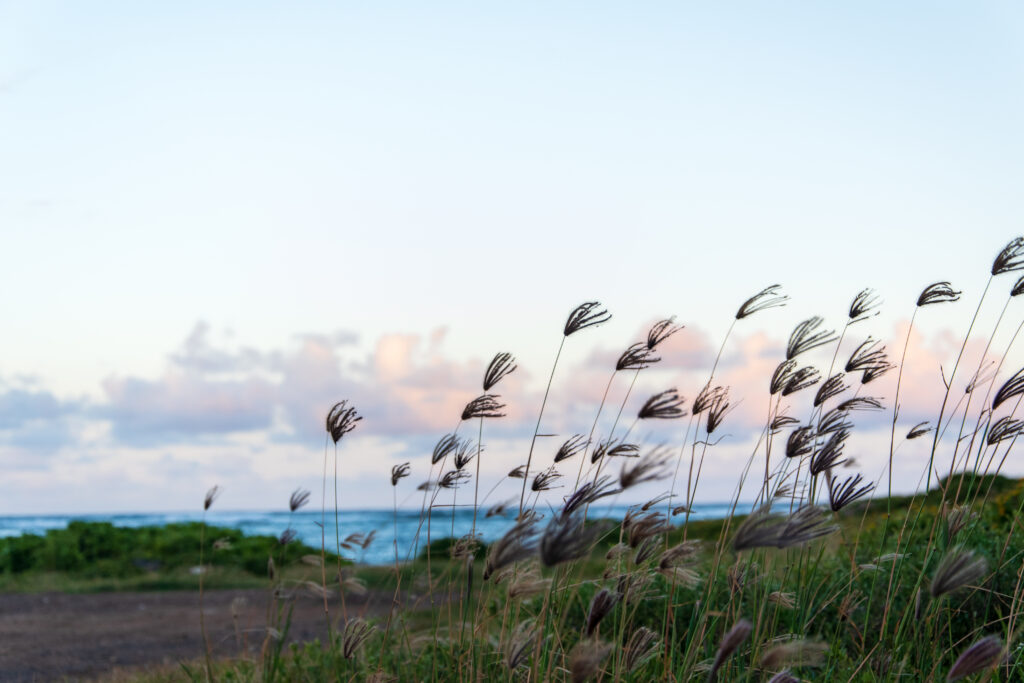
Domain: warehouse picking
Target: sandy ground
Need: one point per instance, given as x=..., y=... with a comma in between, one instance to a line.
x=55, y=636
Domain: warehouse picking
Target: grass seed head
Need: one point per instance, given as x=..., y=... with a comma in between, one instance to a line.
x=863, y=304
x=501, y=365
x=571, y=447
x=211, y=495
x=668, y=405
x=1011, y=258
x=730, y=642
x=959, y=568
x=341, y=419
x=398, y=472
x=769, y=297
x=585, y=659
x=833, y=386
x=661, y=331
x=806, y=337
x=940, y=292
x=585, y=315
x=641, y=647
x=982, y=655
x=483, y=406
x=637, y=357
x=601, y=605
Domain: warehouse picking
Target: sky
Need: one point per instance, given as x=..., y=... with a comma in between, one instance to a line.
x=219, y=219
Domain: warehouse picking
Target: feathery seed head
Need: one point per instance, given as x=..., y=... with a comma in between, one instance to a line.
x=841, y=495
x=636, y=357
x=860, y=403
x=298, y=499
x=866, y=356
x=341, y=419
x=833, y=386
x=464, y=454
x=571, y=447
x=453, y=479
x=483, y=406
x=769, y=297
x=544, y=481
x=957, y=518
x=730, y=642
x=863, y=304
x=801, y=379
x=519, y=543
x=982, y=655
x=718, y=410
x=399, y=472
x=938, y=293
x=784, y=600
x=601, y=605
x=651, y=466
x=518, y=473
x=800, y=442
x=287, y=536
x=1004, y=428
x=519, y=646
x=640, y=648
x=834, y=421
x=780, y=422
x=1018, y=287
x=589, y=492
x=640, y=527
x=567, y=538
x=667, y=405
x=781, y=376
x=356, y=632
x=804, y=337
x=957, y=569
x=661, y=331
x=1011, y=388
x=784, y=677
x=444, y=448
x=211, y=495
x=501, y=365
x=585, y=659
x=796, y=652
x=831, y=454
x=612, y=448
x=706, y=398
x=500, y=509
x=1011, y=258
x=585, y=315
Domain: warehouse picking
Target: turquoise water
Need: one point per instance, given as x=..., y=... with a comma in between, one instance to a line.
x=306, y=523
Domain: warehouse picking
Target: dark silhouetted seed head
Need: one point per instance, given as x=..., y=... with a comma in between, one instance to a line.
x=834, y=421
x=571, y=447
x=501, y=365
x=769, y=297
x=585, y=315
x=211, y=495
x=1018, y=287
x=1011, y=258
x=356, y=632
x=448, y=444
x=1004, y=428
x=863, y=304
x=341, y=419
x=636, y=357
x=483, y=406
x=801, y=379
x=982, y=655
x=298, y=499
x=567, y=538
x=780, y=422
x=651, y=466
x=399, y=472
x=612, y=448
x=667, y=405
x=860, y=403
x=1011, y=388
x=919, y=430
x=717, y=412
x=661, y=331
x=464, y=454
x=866, y=356
x=588, y=493
x=783, y=373
x=806, y=337
x=601, y=605
x=833, y=386
x=841, y=495
x=453, y=479
x=520, y=645
x=706, y=398
x=800, y=442
x=545, y=480
x=518, y=473
x=585, y=659
x=831, y=454
x=938, y=293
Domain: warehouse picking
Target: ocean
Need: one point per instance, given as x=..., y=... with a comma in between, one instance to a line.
x=306, y=524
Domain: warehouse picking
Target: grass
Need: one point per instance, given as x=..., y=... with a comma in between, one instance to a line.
x=821, y=582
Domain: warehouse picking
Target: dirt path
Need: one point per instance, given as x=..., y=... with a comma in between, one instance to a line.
x=56, y=636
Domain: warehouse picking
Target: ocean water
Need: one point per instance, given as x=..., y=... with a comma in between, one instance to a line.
x=406, y=533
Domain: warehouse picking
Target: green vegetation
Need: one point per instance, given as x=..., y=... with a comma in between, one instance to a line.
x=97, y=556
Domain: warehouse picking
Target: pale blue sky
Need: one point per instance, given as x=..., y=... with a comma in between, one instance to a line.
x=279, y=169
